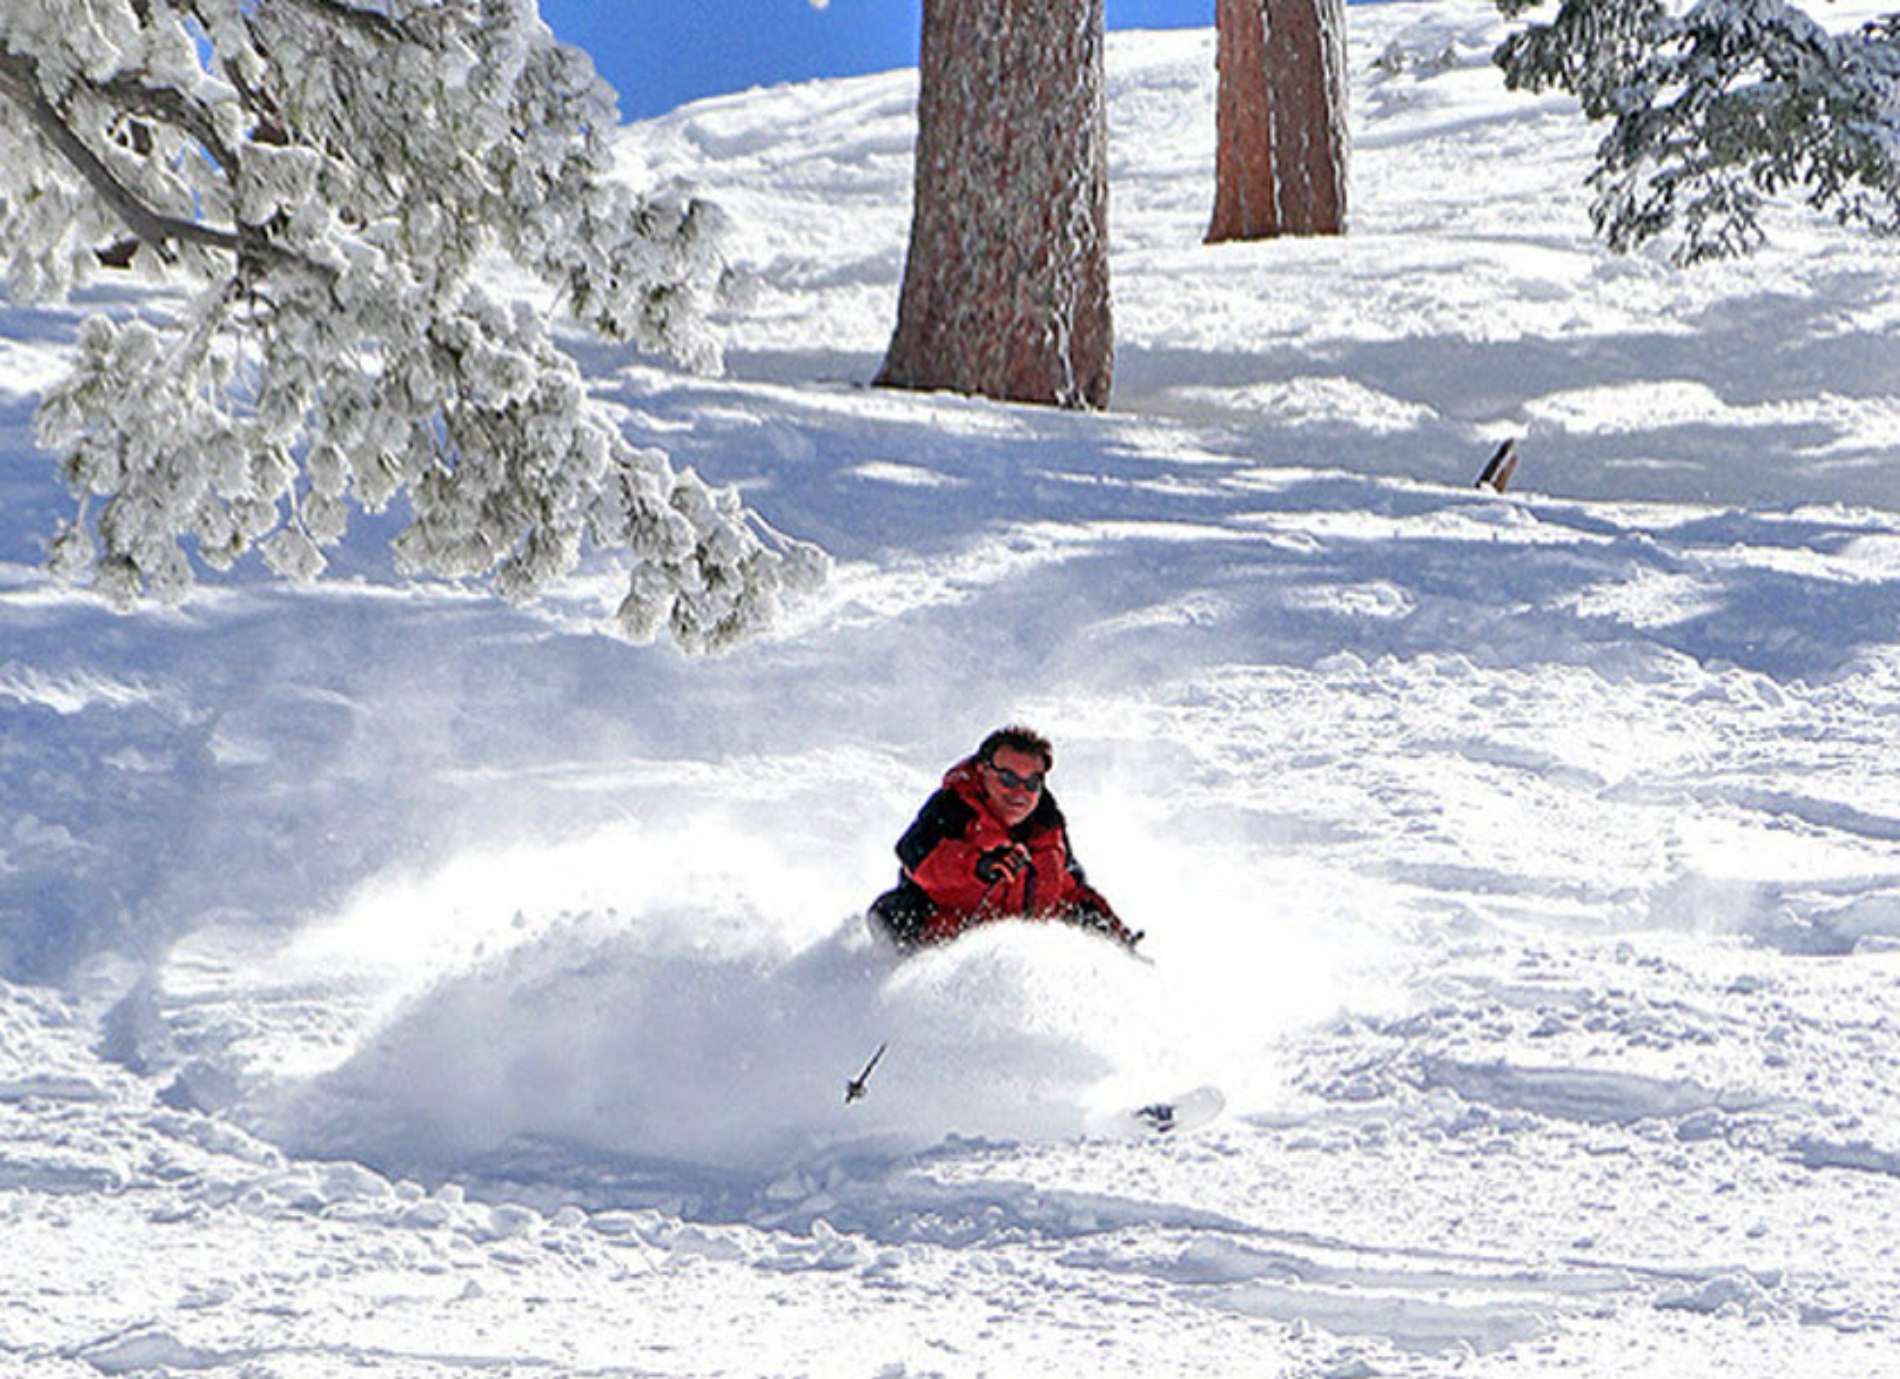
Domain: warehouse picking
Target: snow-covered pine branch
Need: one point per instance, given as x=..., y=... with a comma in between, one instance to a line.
x=1718, y=108
x=330, y=189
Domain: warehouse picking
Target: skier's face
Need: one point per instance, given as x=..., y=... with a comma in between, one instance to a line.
x=1012, y=782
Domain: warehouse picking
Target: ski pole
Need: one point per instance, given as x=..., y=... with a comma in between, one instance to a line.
x=855, y=1088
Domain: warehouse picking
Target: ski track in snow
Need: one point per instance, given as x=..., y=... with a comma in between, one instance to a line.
x=395, y=983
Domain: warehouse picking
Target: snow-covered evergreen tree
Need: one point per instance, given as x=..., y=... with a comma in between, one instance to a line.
x=364, y=211
x=1717, y=108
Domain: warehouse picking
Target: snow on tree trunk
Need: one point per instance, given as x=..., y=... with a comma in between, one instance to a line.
x=1280, y=119
x=1006, y=289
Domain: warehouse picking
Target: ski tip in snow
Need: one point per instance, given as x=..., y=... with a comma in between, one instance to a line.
x=1173, y=1115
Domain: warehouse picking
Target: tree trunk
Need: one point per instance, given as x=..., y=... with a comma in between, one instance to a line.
x=1280, y=122
x=1006, y=281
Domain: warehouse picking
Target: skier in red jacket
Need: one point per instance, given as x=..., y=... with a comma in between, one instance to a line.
x=991, y=844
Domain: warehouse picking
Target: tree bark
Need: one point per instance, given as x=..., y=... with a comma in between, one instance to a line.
x=1006, y=287
x=1280, y=119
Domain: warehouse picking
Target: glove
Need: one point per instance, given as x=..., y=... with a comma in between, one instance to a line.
x=1003, y=860
x=1093, y=913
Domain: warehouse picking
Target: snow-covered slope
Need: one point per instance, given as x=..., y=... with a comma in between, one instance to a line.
x=395, y=983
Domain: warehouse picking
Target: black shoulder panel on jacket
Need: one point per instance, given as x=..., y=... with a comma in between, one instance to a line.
x=944, y=815
x=1046, y=816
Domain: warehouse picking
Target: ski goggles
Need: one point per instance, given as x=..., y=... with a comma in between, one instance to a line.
x=1032, y=783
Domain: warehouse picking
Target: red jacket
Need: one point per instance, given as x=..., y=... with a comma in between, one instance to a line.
x=942, y=854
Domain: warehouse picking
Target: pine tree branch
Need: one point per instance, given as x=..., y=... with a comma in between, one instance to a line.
x=172, y=107
x=19, y=82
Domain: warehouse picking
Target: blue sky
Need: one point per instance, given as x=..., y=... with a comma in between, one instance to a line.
x=660, y=53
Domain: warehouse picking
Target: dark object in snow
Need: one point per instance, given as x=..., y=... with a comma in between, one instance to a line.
x=1178, y=1114
x=1497, y=473
x=856, y=1086
x=1159, y=1117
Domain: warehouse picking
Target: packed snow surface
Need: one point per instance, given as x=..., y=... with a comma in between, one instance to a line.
x=398, y=984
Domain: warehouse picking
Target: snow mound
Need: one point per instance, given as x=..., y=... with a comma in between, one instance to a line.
x=657, y=1006
x=690, y=1048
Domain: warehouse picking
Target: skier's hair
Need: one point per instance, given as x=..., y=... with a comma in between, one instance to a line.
x=1017, y=738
